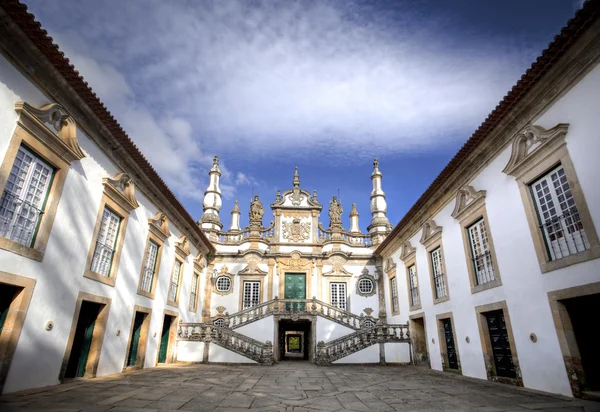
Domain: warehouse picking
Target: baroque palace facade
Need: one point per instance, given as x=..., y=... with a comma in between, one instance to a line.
x=493, y=273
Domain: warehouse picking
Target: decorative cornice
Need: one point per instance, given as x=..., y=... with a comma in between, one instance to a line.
x=389, y=265
x=159, y=225
x=531, y=141
x=408, y=251
x=64, y=141
x=431, y=232
x=466, y=198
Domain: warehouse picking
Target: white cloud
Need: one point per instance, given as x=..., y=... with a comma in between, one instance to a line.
x=265, y=78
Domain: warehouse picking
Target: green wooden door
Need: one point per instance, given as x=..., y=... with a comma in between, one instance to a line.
x=164, y=340
x=85, y=348
x=135, y=339
x=295, y=288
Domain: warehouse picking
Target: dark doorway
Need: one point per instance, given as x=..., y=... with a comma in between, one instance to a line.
x=581, y=311
x=450, y=346
x=294, y=339
x=136, y=334
x=8, y=293
x=82, y=341
x=503, y=360
x=419, y=341
x=164, y=339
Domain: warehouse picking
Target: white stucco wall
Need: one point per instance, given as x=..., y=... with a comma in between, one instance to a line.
x=524, y=288
x=188, y=351
x=218, y=354
x=367, y=355
x=397, y=352
x=328, y=330
x=59, y=277
x=261, y=330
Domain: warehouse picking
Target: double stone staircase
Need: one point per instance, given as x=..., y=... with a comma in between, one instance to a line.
x=368, y=330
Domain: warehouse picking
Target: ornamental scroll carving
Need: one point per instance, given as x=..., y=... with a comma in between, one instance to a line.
x=296, y=231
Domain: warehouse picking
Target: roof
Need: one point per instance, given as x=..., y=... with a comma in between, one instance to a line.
x=569, y=34
x=34, y=31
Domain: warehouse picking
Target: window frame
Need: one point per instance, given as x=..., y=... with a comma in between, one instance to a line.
x=152, y=237
x=180, y=274
x=193, y=305
x=539, y=167
x=107, y=202
x=394, y=294
x=37, y=147
x=408, y=263
x=243, y=288
x=477, y=211
x=346, y=294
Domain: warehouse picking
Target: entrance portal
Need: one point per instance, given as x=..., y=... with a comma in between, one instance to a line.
x=581, y=312
x=295, y=339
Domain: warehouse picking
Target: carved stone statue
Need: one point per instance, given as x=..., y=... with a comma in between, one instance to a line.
x=256, y=212
x=335, y=212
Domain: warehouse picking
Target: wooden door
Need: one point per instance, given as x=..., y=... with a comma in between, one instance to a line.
x=450, y=345
x=500, y=344
x=164, y=340
x=295, y=288
x=135, y=339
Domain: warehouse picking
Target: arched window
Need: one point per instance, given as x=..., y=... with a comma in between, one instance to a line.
x=219, y=323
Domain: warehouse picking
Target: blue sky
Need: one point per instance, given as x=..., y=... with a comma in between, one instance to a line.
x=322, y=85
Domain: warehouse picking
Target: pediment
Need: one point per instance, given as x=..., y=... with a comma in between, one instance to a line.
x=199, y=262
x=533, y=141
x=337, y=267
x=121, y=189
x=390, y=264
x=252, y=268
x=296, y=261
x=408, y=250
x=467, y=199
x=297, y=199
x=57, y=128
x=431, y=232
x=159, y=226
x=182, y=246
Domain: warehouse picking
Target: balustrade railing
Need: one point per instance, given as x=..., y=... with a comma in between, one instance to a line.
x=293, y=307
x=346, y=345
x=353, y=239
x=229, y=339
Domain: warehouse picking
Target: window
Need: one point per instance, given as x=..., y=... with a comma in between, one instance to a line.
x=368, y=324
x=174, y=281
x=105, y=243
x=480, y=253
x=194, y=292
x=414, y=290
x=559, y=218
x=149, y=267
x=438, y=273
x=365, y=286
x=251, y=294
x=223, y=283
x=24, y=197
x=219, y=323
x=394, y=293
x=338, y=295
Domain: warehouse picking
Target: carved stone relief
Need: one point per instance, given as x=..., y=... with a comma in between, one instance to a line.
x=296, y=231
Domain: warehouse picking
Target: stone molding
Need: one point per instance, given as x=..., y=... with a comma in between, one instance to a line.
x=182, y=247
x=531, y=141
x=408, y=251
x=467, y=199
x=159, y=226
x=431, y=232
x=63, y=142
x=121, y=189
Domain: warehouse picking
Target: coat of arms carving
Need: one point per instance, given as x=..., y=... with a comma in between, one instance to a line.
x=296, y=231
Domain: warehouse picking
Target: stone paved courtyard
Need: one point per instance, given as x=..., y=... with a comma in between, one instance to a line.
x=286, y=387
